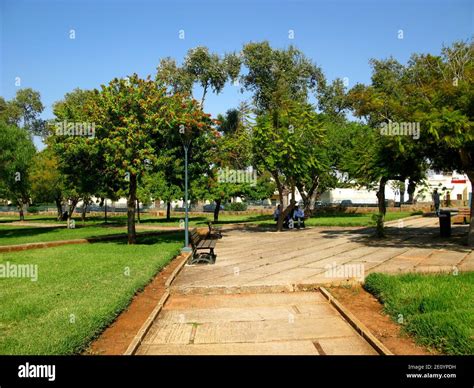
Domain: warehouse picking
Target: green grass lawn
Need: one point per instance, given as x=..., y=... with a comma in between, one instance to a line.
x=79, y=291
x=438, y=310
x=94, y=227
x=10, y=235
x=336, y=219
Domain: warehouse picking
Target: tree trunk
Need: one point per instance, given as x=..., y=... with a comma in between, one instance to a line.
x=467, y=160
x=402, y=194
x=379, y=218
x=217, y=210
x=411, y=191
x=381, y=196
x=470, y=235
x=284, y=211
x=105, y=210
x=131, y=201
x=138, y=211
x=84, y=210
x=309, y=199
x=203, y=97
x=280, y=196
x=71, y=209
x=22, y=213
x=59, y=208
x=168, y=211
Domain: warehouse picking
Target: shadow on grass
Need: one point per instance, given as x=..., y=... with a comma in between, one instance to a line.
x=25, y=232
x=155, y=238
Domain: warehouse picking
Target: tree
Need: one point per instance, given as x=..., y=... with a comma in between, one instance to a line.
x=230, y=174
x=15, y=162
x=135, y=119
x=283, y=144
x=378, y=157
x=275, y=76
x=333, y=99
x=46, y=180
x=281, y=82
x=24, y=111
x=442, y=94
x=208, y=70
x=80, y=159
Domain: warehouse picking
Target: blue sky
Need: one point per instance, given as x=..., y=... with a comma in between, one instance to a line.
x=117, y=38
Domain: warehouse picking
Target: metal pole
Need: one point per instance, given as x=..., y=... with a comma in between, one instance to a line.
x=186, y=247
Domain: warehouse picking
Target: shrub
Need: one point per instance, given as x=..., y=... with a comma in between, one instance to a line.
x=236, y=206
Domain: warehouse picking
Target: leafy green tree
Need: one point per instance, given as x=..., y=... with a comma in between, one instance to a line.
x=274, y=76
x=46, y=180
x=80, y=159
x=200, y=67
x=441, y=91
x=284, y=144
x=384, y=157
x=135, y=119
x=231, y=155
x=15, y=162
x=24, y=110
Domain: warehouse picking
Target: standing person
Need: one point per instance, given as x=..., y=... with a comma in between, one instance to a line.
x=436, y=201
x=299, y=217
x=276, y=213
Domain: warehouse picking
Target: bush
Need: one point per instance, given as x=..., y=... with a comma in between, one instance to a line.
x=33, y=209
x=236, y=206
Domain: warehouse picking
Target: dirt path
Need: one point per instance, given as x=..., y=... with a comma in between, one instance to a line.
x=370, y=312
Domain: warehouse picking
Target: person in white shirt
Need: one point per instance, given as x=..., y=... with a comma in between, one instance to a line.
x=298, y=216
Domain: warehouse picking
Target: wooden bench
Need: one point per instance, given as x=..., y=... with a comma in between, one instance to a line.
x=202, y=243
x=463, y=216
x=213, y=233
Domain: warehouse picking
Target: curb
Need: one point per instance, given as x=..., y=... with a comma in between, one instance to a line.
x=255, y=289
x=137, y=340
x=356, y=324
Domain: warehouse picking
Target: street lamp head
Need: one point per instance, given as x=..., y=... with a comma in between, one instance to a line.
x=185, y=135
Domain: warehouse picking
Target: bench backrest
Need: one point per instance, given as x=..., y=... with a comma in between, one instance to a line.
x=194, y=237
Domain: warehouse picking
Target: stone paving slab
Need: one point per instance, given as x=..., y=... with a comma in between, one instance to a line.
x=297, y=323
x=468, y=263
x=294, y=348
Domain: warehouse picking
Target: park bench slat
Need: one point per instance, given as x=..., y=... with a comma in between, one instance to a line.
x=199, y=243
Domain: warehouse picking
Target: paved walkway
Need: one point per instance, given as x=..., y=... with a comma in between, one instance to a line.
x=253, y=260
x=252, y=324
x=236, y=306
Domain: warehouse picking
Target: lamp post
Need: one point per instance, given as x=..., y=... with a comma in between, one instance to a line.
x=186, y=248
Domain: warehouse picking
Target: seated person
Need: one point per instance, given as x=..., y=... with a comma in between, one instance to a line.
x=298, y=216
x=276, y=213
